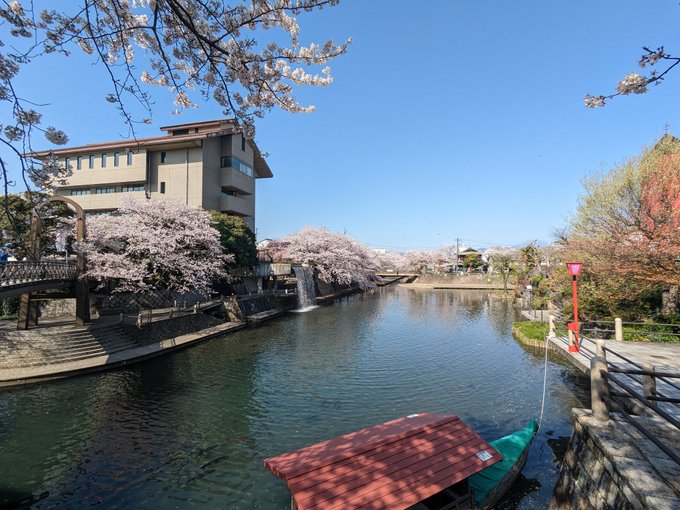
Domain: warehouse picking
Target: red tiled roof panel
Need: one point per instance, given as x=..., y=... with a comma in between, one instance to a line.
x=386, y=459
x=322, y=454
x=404, y=466
x=394, y=464
x=416, y=444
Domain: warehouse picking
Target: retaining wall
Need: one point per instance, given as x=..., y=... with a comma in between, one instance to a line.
x=611, y=465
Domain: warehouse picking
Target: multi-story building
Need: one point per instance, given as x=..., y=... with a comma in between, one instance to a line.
x=202, y=164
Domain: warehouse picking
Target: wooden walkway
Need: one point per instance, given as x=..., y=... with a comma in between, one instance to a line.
x=629, y=355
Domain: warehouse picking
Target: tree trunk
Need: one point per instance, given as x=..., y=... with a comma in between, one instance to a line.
x=669, y=300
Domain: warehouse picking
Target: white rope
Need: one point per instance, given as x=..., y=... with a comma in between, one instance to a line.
x=545, y=378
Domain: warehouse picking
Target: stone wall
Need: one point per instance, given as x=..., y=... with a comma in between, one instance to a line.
x=611, y=465
x=171, y=328
x=111, y=304
x=58, y=308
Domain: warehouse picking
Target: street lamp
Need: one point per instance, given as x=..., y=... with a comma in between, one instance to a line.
x=574, y=270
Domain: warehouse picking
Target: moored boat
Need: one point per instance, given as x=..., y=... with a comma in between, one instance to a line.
x=422, y=461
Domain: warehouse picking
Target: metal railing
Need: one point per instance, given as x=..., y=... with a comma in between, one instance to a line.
x=609, y=391
x=20, y=272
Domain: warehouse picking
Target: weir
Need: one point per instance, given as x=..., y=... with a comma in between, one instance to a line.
x=306, y=290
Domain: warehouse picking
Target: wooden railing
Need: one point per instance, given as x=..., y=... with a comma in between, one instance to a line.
x=17, y=273
x=609, y=391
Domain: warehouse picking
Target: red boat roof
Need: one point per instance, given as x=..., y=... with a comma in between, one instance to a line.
x=395, y=464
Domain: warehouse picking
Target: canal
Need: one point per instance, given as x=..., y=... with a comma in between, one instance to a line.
x=190, y=429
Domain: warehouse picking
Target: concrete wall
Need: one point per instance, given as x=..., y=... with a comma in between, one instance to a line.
x=181, y=173
x=611, y=465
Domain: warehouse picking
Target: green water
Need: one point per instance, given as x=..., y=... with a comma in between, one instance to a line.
x=190, y=430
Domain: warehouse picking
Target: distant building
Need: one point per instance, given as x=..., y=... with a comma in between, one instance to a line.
x=202, y=164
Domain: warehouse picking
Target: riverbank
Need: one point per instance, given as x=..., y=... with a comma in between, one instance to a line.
x=39, y=338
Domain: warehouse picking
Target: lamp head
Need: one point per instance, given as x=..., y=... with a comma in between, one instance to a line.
x=574, y=268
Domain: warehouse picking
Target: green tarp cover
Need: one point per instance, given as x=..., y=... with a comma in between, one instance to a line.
x=511, y=447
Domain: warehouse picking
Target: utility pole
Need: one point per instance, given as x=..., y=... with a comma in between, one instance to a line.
x=457, y=253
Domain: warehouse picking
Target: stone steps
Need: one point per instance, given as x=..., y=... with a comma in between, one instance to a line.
x=62, y=344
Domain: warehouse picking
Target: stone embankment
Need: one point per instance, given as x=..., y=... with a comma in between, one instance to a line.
x=56, y=350
x=611, y=465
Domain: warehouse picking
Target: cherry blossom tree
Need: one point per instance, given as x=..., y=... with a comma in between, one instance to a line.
x=389, y=261
x=420, y=260
x=335, y=258
x=635, y=83
x=153, y=244
x=246, y=56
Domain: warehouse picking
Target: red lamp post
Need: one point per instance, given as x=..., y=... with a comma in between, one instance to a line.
x=574, y=270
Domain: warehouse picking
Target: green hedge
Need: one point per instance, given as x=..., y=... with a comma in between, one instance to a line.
x=532, y=330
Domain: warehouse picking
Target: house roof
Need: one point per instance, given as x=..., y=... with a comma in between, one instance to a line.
x=392, y=465
x=221, y=127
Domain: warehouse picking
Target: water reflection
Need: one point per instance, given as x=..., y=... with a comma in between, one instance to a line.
x=191, y=429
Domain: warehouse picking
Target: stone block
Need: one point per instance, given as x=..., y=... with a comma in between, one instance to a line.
x=663, y=504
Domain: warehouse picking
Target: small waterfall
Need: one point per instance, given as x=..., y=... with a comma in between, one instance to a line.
x=305, y=288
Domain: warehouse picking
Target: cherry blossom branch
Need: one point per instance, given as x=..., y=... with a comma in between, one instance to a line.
x=635, y=83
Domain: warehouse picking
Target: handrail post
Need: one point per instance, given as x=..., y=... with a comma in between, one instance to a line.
x=618, y=329
x=599, y=388
x=551, y=325
x=600, y=349
x=649, y=384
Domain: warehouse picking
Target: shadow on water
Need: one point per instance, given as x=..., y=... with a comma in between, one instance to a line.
x=522, y=488
x=14, y=500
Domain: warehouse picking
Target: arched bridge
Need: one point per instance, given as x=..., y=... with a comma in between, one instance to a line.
x=25, y=277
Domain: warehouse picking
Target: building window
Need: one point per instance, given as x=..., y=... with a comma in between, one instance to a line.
x=79, y=162
x=91, y=162
x=228, y=192
x=105, y=189
x=180, y=132
x=162, y=187
x=116, y=159
x=80, y=191
x=236, y=164
x=164, y=156
x=67, y=163
x=127, y=188
x=243, y=142
x=129, y=158
x=103, y=160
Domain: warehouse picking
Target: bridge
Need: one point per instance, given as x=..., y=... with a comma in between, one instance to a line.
x=17, y=278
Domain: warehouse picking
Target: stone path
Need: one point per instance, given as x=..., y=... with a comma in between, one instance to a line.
x=630, y=355
x=50, y=335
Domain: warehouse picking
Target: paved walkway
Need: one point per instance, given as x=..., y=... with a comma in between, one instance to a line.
x=666, y=356
x=28, y=374
x=630, y=355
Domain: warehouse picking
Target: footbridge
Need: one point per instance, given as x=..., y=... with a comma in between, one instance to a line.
x=17, y=278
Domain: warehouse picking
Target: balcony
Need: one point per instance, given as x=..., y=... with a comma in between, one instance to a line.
x=235, y=205
x=234, y=180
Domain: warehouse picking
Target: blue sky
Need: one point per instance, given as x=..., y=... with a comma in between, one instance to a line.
x=446, y=118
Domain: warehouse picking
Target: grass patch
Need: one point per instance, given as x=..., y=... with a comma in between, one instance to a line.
x=531, y=330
